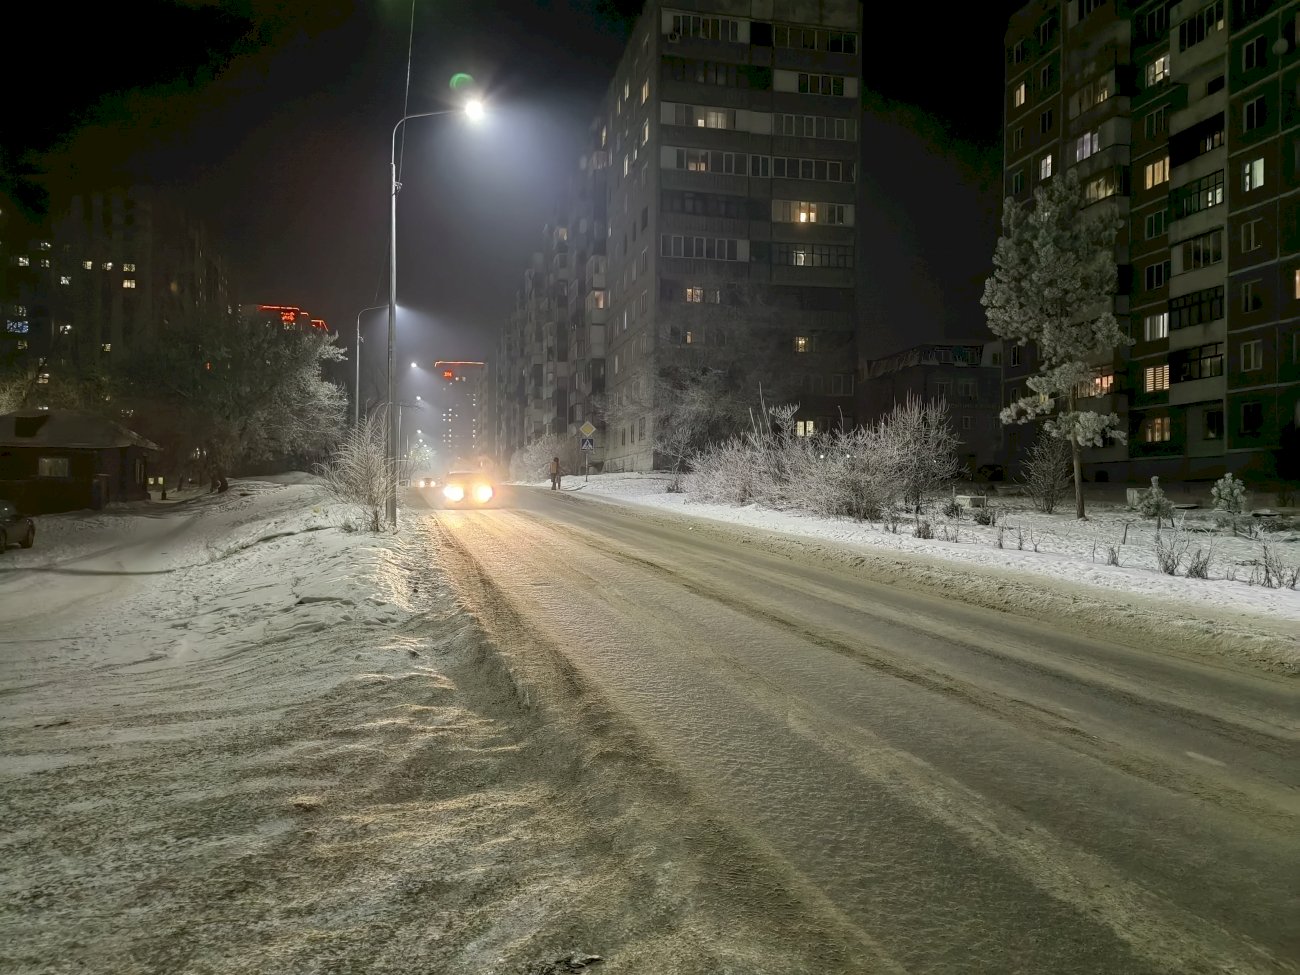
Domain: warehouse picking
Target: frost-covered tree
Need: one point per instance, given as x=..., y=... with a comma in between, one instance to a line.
x=1154, y=503
x=1229, y=498
x=1047, y=475
x=916, y=443
x=1053, y=283
x=358, y=472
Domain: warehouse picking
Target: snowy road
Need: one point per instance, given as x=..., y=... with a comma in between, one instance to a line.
x=950, y=788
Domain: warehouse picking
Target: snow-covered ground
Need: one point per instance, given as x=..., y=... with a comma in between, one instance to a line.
x=1055, y=546
x=236, y=736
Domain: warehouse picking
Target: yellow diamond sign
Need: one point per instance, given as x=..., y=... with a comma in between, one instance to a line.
x=587, y=429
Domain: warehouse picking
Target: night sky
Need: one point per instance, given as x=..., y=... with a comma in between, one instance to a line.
x=275, y=116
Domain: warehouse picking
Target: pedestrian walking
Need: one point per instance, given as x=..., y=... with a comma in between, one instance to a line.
x=556, y=473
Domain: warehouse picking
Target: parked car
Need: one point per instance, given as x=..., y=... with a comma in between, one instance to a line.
x=470, y=488
x=15, y=527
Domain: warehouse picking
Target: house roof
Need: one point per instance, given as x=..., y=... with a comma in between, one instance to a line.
x=64, y=428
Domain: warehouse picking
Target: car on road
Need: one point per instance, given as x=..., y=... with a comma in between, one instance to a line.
x=424, y=481
x=15, y=528
x=468, y=488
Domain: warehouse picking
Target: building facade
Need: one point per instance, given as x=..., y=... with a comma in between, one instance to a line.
x=727, y=155
x=1184, y=117
x=457, y=439
x=966, y=377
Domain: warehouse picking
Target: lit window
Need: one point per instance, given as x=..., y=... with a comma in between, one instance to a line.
x=106, y=347
x=1086, y=145
x=695, y=295
x=128, y=282
x=23, y=260
x=1158, y=70
x=43, y=378
x=1156, y=429
x=65, y=279
x=65, y=329
x=1019, y=98
x=1296, y=289
x=805, y=428
x=1252, y=175
x=1156, y=326
x=53, y=466
x=645, y=91
x=802, y=343
x=107, y=265
x=1252, y=355
x=1157, y=172
x=88, y=265
x=45, y=245
x=129, y=268
x=645, y=132
x=45, y=262
x=22, y=345
x=1156, y=378
x=1045, y=167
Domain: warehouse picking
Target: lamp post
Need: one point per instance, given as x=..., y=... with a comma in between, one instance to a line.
x=356, y=354
x=474, y=110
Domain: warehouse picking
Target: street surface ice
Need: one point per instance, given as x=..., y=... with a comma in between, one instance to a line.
x=959, y=789
x=236, y=737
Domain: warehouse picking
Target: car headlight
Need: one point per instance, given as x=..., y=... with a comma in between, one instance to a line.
x=453, y=492
x=482, y=493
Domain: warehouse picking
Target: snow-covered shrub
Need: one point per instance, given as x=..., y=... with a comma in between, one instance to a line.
x=1112, y=555
x=1272, y=572
x=1170, y=550
x=952, y=509
x=1229, y=498
x=1198, y=563
x=532, y=462
x=1048, y=472
x=1153, y=503
x=732, y=472
x=359, y=474
x=916, y=444
x=985, y=516
x=923, y=528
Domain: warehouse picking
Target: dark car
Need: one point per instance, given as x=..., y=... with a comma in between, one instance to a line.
x=15, y=527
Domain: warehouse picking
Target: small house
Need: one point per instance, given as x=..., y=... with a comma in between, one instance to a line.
x=60, y=460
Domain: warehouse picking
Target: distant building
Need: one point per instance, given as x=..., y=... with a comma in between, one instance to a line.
x=723, y=172
x=1183, y=118
x=288, y=317
x=456, y=439
x=966, y=377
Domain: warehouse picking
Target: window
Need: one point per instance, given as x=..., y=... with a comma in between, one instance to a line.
x=967, y=423
x=128, y=282
x=107, y=265
x=815, y=127
x=1100, y=187
x=710, y=161
x=65, y=329
x=1155, y=326
x=1212, y=424
x=1157, y=123
x=1252, y=419
x=1157, y=172
x=1156, y=275
x=1045, y=78
x=1045, y=121
x=1252, y=174
x=1015, y=355
x=1155, y=429
x=1252, y=235
x=802, y=343
x=1252, y=355
x=129, y=268
x=842, y=384
x=1046, y=31
x=1158, y=70
x=1252, y=298
x=1018, y=137
x=1018, y=181
x=1200, y=25
x=645, y=91
x=695, y=295
x=22, y=260
x=53, y=467
x=645, y=132
x=966, y=388
x=1018, y=52
x=1086, y=145
x=1295, y=293
x=1200, y=195
x=1018, y=96
x=795, y=211
x=65, y=279
x=1196, y=308
x=1101, y=384
x=1203, y=251
x=1254, y=115
x=821, y=84
x=1045, y=167
x=805, y=428
x=822, y=170
x=812, y=255
x=718, y=118
x=1155, y=224
x=1254, y=54
x=87, y=265
x=705, y=248
x=706, y=28
x=941, y=389
x=1199, y=362
x=106, y=347
x=1155, y=378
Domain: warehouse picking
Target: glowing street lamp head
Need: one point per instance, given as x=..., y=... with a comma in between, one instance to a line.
x=412, y=365
x=474, y=110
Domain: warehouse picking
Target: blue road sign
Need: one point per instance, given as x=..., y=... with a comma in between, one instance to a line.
x=588, y=443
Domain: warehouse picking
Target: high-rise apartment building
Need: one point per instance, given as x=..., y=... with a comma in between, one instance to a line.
x=457, y=417
x=1185, y=117
x=727, y=153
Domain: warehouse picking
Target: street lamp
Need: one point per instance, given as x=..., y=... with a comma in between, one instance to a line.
x=356, y=354
x=474, y=111
x=412, y=365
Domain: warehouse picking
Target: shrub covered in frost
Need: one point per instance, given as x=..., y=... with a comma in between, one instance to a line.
x=1153, y=503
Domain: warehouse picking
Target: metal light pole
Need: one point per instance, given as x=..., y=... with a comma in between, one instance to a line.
x=356, y=354
x=474, y=110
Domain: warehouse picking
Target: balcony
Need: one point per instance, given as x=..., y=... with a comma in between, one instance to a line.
x=596, y=272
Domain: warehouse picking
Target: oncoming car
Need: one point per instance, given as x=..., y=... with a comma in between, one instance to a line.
x=472, y=488
x=424, y=482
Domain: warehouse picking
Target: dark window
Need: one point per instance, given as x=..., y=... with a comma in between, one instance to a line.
x=760, y=34
x=1203, y=251
x=1045, y=121
x=1200, y=138
x=1252, y=419
x=1255, y=114
x=1254, y=54
x=1200, y=362
x=1156, y=275
x=1213, y=426
x=1196, y=308
x=1200, y=25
